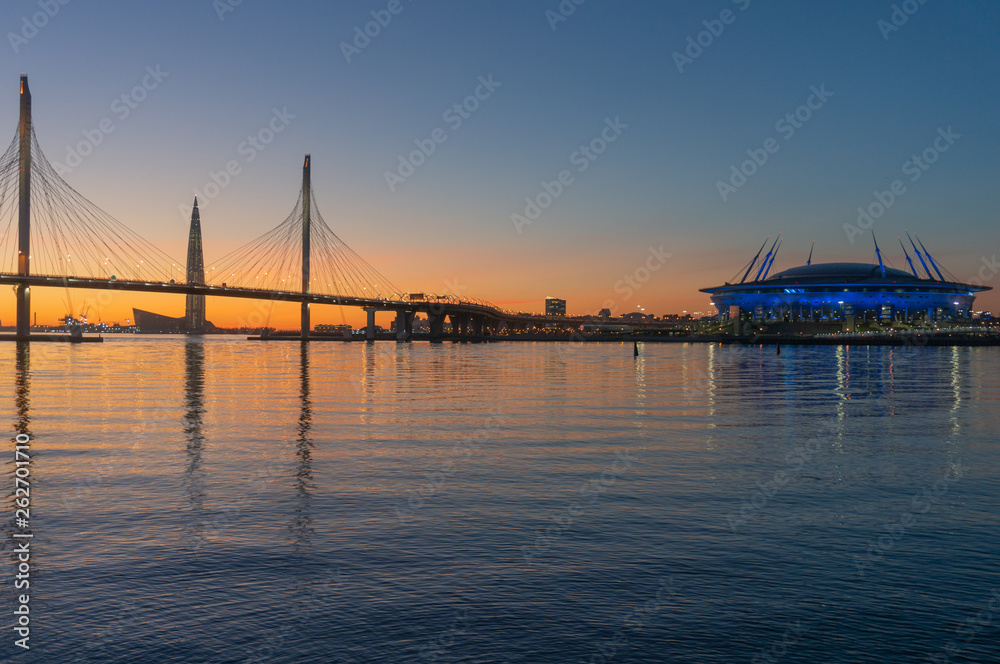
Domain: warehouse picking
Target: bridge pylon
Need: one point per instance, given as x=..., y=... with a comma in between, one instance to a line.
x=23, y=292
x=306, y=231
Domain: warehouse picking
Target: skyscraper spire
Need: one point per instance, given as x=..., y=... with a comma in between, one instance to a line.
x=194, y=311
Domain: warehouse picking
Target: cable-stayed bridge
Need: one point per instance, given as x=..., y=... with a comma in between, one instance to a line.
x=61, y=239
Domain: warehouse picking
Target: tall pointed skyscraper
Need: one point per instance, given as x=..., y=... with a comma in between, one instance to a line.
x=194, y=311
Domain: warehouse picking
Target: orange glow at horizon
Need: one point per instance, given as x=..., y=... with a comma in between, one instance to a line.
x=48, y=305
x=518, y=279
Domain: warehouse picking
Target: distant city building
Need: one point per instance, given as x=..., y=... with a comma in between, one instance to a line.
x=555, y=306
x=637, y=316
x=604, y=313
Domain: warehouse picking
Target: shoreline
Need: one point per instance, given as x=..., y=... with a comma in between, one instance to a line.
x=908, y=339
x=935, y=338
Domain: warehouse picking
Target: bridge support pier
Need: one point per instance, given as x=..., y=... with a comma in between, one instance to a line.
x=436, y=323
x=404, y=325
x=477, y=325
x=370, y=328
x=460, y=324
x=23, y=310
x=306, y=325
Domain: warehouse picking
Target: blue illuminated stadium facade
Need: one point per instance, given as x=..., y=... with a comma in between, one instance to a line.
x=845, y=292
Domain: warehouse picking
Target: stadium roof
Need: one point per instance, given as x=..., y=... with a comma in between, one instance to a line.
x=840, y=272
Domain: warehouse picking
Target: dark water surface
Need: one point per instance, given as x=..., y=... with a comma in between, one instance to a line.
x=215, y=500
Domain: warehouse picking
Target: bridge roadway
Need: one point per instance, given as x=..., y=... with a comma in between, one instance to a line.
x=474, y=317
x=462, y=312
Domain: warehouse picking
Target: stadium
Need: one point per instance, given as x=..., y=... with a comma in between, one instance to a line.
x=825, y=296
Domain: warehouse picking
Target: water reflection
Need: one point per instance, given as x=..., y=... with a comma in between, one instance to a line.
x=265, y=580
x=301, y=526
x=840, y=390
x=367, y=388
x=843, y=373
x=194, y=411
x=22, y=426
x=640, y=389
x=958, y=360
x=22, y=385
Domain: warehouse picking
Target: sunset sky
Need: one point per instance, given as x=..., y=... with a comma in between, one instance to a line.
x=674, y=95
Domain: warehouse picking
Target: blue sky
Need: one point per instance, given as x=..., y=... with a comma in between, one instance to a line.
x=224, y=74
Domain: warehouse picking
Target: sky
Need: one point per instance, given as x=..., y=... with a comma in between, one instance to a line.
x=618, y=154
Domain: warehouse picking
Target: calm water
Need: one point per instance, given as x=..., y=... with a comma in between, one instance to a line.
x=218, y=501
